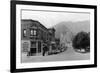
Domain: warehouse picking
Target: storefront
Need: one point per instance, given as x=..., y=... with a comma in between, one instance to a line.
x=34, y=47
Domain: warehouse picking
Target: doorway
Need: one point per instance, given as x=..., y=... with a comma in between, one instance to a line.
x=33, y=49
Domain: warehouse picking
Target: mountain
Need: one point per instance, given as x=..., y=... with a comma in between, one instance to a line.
x=67, y=30
x=60, y=29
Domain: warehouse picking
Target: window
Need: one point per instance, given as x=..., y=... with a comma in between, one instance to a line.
x=33, y=32
x=24, y=32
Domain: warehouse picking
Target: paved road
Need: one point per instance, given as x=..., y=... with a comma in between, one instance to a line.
x=69, y=54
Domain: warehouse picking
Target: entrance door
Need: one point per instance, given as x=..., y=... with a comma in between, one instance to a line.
x=33, y=48
x=33, y=51
x=39, y=47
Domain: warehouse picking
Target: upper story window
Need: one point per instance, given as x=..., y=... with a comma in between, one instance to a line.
x=33, y=32
x=24, y=32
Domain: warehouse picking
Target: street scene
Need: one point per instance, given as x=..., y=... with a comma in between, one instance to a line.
x=54, y=36
x=68, y=55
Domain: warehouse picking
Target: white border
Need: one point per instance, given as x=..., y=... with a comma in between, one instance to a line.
x=20, y=65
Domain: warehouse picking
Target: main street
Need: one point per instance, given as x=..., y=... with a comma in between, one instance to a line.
x=67, y=55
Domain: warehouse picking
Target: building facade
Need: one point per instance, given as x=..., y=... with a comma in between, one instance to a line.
x=34, y=35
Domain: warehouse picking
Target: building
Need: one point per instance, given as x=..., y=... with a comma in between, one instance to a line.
x=34, y=35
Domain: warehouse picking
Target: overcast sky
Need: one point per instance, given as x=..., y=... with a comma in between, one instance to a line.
x=49, y=19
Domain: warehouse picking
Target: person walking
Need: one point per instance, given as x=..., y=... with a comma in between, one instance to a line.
x=45, y=48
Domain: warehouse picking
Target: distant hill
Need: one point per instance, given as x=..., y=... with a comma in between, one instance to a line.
x=69, y=29
x=73, y=27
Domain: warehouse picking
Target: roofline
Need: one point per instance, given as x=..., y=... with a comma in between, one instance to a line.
x=34, y=21
x=28, y=20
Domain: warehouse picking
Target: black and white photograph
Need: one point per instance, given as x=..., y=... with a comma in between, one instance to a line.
x=54, y=36
x=50, y=36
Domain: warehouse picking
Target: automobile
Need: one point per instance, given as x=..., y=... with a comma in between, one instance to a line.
x=58, y=51
x=82, y=50
x=87, y=49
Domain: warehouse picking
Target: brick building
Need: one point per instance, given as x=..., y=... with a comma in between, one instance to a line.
x=34, y=35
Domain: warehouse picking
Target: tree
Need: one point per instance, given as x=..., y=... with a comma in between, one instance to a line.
x=81, y=41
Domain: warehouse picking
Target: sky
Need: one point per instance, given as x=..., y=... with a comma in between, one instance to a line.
x=49, y=18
